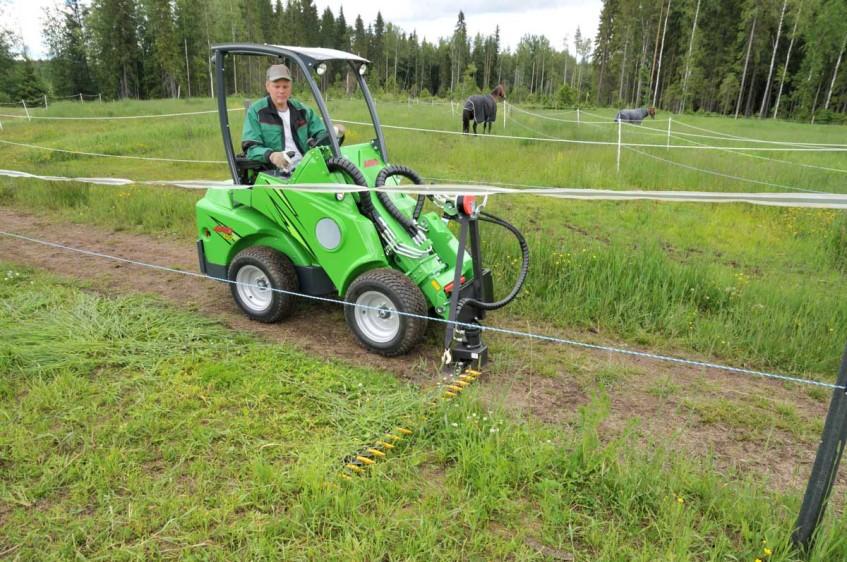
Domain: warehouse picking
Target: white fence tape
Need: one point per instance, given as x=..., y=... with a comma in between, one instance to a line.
x=812, y=200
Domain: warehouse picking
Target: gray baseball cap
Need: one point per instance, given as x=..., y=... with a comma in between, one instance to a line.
x=278, y=72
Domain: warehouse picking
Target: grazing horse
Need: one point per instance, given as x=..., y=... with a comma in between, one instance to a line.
x=482, y=109
x=635, y=115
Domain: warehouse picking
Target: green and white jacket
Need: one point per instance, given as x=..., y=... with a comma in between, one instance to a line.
x=263, y=129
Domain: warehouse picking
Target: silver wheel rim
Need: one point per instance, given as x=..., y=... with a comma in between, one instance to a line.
x=376, y=317
x=254, y=288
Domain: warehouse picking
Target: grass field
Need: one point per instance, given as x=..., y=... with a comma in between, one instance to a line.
x=759, y=287
x=132, y=430
x=135, y=431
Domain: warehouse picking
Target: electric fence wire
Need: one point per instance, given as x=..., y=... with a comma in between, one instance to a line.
x=548, y=118
x=728, y=136
x=493, y=329
x=101, y=155
x=596, y=143
x=651, y=131
x=804, y=148
x=701, y=170
x=629, y=146
x=117, y=117
x=767, y=159
x=719, y=174
x=733, y=150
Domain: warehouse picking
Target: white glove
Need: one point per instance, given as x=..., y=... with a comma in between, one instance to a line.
x=340, y=131
x=280, y=160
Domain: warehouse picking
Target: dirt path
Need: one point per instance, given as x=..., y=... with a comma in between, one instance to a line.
x=699, y=412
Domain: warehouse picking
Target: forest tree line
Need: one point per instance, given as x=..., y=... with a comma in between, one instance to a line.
x=737, y=57
x=743, y=57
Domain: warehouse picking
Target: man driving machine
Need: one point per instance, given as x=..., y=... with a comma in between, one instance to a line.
x=279, y=129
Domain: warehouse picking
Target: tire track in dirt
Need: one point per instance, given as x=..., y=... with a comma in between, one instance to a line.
x=549, y=382
x=315, y=327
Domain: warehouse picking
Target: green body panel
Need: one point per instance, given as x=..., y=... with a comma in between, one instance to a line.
x=226, y=227
x=275, y=214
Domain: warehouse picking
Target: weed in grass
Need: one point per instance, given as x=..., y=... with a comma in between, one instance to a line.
x=837, y=243
x=664, y=388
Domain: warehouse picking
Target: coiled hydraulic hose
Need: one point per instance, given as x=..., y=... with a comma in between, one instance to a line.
x=521, y=276
x=340, y=164
x=408, y=223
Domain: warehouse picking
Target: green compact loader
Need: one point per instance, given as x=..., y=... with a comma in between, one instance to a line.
x=277, y=236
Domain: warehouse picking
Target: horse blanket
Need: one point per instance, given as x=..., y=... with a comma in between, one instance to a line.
x=632, y=115
x=483, y=107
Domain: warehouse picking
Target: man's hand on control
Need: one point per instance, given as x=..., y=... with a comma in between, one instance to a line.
x=280, y=160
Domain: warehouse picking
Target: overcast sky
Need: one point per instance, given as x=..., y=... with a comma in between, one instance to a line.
x=431, y=19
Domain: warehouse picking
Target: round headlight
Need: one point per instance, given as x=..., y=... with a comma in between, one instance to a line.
x=321, y=69
x=362, y=69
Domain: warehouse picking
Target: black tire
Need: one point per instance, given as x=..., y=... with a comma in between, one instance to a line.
x=404, y=296
x=279, y=273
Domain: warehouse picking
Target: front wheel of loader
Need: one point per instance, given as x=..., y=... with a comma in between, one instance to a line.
x=386, y=312
x=262, y=281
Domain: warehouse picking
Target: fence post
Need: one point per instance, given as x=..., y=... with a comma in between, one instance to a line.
x=577, y=117
x=669, y=132
x=100, y=97
x=619, y=146
x=1, y=125
x=80, y=98
x=825, y=468
x=28, y=118
x=505, y=110
x=45, y=101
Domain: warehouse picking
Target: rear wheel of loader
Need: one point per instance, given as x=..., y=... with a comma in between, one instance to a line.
x=256, y=273
x=378, y=304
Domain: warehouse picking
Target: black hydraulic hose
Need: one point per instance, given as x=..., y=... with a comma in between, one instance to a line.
x=384, y=174
x=419, y=206
x=340, y=164
x=521, y=277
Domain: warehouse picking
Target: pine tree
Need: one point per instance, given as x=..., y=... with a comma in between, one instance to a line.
x=360, y=39
x=163, y=65
x=327, y=30
x=115, y=26
x=310, y=24
x=8, y=82
x=65, y=34
x=377, y=50
x=342, y=34
x=459, y=51
x=27, y=84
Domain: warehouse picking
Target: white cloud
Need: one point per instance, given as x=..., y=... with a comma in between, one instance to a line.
x=25, y=18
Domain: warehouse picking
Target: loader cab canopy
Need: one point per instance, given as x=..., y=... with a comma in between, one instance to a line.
x=312, y=62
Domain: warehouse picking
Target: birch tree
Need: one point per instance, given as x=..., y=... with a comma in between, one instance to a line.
x=787, y=60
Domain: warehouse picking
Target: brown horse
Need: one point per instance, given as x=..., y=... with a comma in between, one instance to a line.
x=482, y=109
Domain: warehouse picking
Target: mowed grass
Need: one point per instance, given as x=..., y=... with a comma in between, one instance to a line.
x=755, y=286
x=131, y=430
